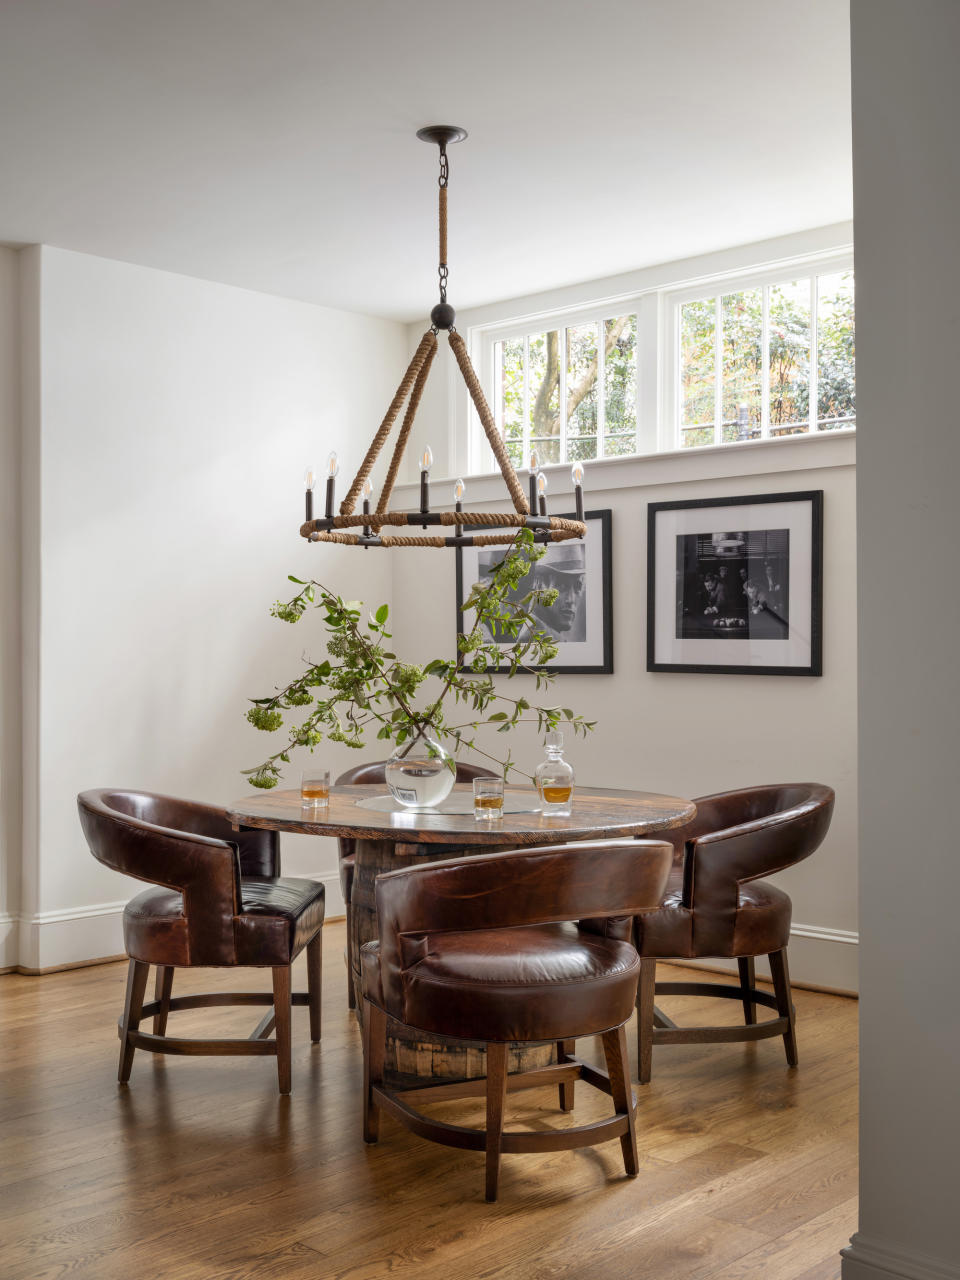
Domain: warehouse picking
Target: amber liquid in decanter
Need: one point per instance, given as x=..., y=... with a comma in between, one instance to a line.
x=554, y=779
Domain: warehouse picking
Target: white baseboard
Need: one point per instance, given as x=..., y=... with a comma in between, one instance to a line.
x=79, y=935
x=819, y=957
x=868, y=1259
x=72, y=935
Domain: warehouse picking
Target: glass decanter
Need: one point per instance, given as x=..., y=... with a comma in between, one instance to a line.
x=554, y=779
x=419, y=773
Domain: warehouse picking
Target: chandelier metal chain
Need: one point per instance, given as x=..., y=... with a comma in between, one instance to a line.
x=371, y=524
x=443, y=182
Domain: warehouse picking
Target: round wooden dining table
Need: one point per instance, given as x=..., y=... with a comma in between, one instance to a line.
x=385, y=837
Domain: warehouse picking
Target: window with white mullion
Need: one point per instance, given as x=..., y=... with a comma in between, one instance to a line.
x=718, y=371
x=498, y=383
x=601, y=385
x=526, y=400
x=813, y=424
x=728, y=358
x=562, y=363
x=765, y=366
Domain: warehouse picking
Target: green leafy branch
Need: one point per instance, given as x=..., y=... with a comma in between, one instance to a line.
x=362, y=684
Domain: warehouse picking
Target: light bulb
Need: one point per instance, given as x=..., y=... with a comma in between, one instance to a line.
x=310, y=477
x=426, y=459
x=542, y=482
x=459, y=489
x=367, y=488
x=534, y=460
x=333, y=466
x=576, y=473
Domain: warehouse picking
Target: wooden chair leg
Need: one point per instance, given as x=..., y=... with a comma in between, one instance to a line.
x=748, y=980
x=618, y=1069
x=351, y=990
x=565, y=1049
x=781, y=985
x=161, y=993
x=133, y=1004
x=374, y=1051
x=496, y=1097
x=314, y=983
x=281, y=1009
x=646, y=993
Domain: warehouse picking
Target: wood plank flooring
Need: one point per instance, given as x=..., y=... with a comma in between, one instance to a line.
x=200, y=1170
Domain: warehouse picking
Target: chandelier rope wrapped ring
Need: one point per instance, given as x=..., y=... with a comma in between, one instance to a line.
x=370, y=524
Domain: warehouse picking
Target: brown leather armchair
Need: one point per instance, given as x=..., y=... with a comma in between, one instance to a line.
x=716, y=906
x=220, y=900
x=373, y=774
x=484, y=949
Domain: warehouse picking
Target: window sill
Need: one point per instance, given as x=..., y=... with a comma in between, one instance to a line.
x=679, y=466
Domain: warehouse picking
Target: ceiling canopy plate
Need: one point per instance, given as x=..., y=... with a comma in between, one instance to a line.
x=441, y=135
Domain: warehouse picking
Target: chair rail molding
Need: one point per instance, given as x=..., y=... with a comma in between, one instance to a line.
x=868, y=1259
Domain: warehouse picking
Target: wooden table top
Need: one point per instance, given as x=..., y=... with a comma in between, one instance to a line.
x=598, y=813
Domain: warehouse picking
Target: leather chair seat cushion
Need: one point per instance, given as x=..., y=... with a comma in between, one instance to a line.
x=761, y=924
x=280, y=915
x=279, y=918
x=537, y=982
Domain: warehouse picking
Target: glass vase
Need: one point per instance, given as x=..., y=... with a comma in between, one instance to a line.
x=420, y=773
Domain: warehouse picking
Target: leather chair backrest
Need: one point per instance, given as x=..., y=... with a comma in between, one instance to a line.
x=508, y=890
x=259, y=851
x=184, y=846
x=737, y=836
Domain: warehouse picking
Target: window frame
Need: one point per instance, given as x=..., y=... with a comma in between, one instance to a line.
x=658, y=355
x=560, y=320
x=812, y=265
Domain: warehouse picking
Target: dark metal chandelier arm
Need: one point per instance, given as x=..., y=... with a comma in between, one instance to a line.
x=401, y=445
x=349, y=503
x=494, y=439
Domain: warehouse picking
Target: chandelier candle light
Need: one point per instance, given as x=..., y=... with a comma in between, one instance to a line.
x=542, y=492
x=576, y=475
x=374, y=526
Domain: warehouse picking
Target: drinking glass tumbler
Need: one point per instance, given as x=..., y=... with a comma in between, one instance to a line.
x=487, y=799
x=315, y=786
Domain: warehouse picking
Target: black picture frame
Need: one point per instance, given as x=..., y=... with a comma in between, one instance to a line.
x=602, y=523
x=800, y=622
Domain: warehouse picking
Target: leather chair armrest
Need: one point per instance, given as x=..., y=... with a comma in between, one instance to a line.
x=718, y=862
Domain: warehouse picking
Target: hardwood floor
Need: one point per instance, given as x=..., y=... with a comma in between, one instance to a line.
x=199, y=1169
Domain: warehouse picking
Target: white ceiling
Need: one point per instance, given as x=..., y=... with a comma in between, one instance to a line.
x=270, y=143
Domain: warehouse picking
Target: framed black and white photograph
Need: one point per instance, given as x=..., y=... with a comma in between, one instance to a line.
x=734, y=585
x=581, y=619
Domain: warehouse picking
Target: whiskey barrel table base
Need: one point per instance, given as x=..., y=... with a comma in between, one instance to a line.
x=412, y=1058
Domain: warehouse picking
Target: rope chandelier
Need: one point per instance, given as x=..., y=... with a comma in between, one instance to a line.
x=372, y=527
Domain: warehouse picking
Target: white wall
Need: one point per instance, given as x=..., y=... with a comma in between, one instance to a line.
x=906, y=112
x=693, y=734
x=176, y=418
x=10, y=771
